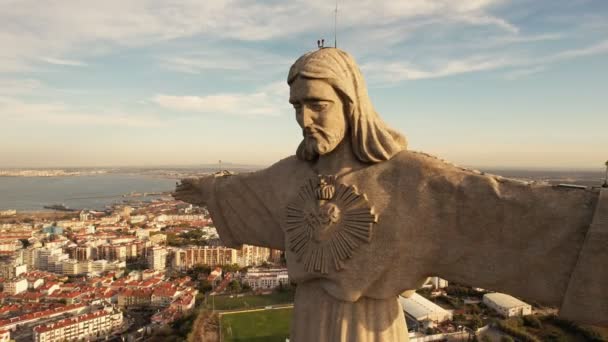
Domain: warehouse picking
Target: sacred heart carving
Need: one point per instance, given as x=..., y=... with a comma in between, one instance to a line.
x=327, y=222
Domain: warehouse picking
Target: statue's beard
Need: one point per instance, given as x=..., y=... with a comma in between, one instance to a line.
x=318, y=141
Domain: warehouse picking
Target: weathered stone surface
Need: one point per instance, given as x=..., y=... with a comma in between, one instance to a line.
x=362, y=219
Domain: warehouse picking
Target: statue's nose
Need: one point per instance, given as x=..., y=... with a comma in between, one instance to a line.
x=306, y=120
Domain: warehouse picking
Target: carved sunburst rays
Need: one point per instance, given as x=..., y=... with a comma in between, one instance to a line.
x=324, y=230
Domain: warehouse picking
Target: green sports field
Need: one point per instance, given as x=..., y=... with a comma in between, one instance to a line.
x=249, y=301
x=263, y=325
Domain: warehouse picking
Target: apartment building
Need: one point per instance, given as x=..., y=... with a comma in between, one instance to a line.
x=15, y=286
x=95, y=325
x=266, y=278
x=157, y=258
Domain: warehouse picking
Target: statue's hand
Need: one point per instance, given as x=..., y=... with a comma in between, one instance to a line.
x=193, y=190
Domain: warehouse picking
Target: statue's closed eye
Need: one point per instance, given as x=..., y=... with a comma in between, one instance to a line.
x=318, y=106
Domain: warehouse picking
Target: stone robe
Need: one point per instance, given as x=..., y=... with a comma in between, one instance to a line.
x=532, y=241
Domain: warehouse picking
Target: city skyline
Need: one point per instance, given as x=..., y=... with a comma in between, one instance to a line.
x=488, y=84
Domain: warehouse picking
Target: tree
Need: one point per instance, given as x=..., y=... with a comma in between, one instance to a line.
x=475, y=322
x=458, y=318
x=231, y=268
x=205, y=286
x=532, y=321
x=473, y=309
x=235, y=286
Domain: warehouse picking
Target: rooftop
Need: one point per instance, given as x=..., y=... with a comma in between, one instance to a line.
x=504, y=300
x=420, y=307
x=70, y=321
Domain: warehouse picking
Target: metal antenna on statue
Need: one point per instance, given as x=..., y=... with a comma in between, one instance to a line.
x=336, y=26
x=220, y=165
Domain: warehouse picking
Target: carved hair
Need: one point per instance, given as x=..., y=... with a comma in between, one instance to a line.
x=371, y=139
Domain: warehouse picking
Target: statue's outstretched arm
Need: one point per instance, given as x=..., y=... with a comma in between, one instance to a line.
x=194, y=190
x=528, y=240
x=245, y=207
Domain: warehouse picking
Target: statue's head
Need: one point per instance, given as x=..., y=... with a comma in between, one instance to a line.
x=331, y=102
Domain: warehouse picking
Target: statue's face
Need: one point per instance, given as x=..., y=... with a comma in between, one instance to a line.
x=320, y=113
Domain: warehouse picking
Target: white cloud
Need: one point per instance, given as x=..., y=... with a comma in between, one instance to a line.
x=595, y=49
x=521, y=73
x=481, y=20
x=226, y=59
x=79, y=29
x=12, y=109
x=396, y=71
x=18, y=86
x=401, y=71
x=66, y=62
x=267, y=101
x=540, y=64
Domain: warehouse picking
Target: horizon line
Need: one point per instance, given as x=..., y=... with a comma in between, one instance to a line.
x=261, y=166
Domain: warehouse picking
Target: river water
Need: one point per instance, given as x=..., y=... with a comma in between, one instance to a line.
x=78, y=192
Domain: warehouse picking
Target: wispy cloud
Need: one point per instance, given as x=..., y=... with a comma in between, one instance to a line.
x=11, y=86
x=266, y=101
x=595, y=49
x=524, y=72
x=12, y=109
x=66, y=62
x=536, y=65
x=402, y=71
x=520, y=66
x=481, y=19
x=57, y=32
x=228, y=59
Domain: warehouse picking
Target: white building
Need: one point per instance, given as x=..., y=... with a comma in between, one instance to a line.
x=10, y=246
x=15, y=286
x=54, y=262
x=75, y=267
x=20, y=269
x=30, y=257
x=423, y=310
x=7, y=213
x=266, y=278
x=506, y=305
x=99, y=266
x=116, y=265
x=142, y=233
x=157, y=258
x=252, y=255
x=42, y=256
x=92, y=325
x=134, y=219
x=34, y=283
x=438, y=283
x=84, y=216
x=110, y=220
x=210, y=232
x=11, y=269
x=186, y=258
x=179, y=218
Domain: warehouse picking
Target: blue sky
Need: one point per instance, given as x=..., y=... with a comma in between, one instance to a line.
x=482, y=83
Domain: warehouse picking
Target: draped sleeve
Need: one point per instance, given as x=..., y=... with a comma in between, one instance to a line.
x=247, y=208
x=586, y=298
x=529, y=240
